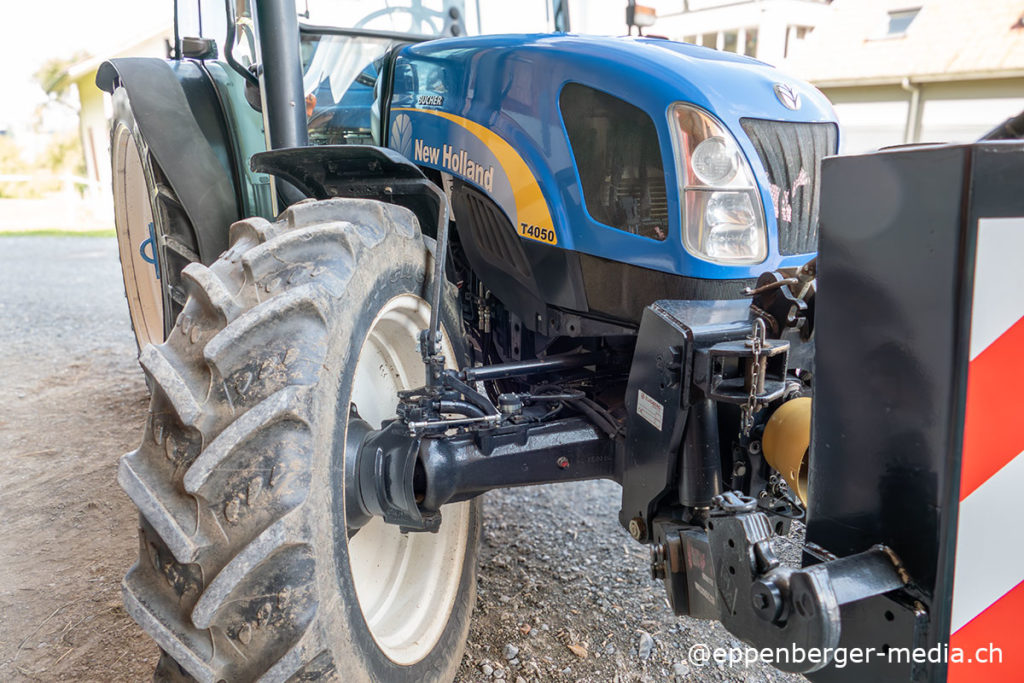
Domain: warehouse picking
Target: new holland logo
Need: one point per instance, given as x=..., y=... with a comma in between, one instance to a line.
x=789, y=98
x=401, y=135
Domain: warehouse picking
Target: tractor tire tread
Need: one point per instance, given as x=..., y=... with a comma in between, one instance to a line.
x=225, y=530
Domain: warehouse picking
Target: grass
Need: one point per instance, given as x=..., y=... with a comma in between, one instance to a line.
x=57, y=232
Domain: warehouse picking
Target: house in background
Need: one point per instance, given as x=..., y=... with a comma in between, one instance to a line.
x=897, y=71
x=905, y=71
x=768, y=30
x=95, y=108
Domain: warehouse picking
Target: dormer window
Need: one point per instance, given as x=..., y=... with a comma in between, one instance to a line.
x=899, y=21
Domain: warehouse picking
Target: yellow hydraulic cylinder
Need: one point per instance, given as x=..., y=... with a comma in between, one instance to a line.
x=786, y=440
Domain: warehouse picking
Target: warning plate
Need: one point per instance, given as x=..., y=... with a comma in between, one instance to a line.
x=649, y=409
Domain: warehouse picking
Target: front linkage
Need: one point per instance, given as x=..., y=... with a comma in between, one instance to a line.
x=712, y=543
x=711, y=453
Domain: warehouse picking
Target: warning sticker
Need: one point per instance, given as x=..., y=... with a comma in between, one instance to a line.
x=649, y=409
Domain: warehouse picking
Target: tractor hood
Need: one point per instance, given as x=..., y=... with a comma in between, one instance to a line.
x=725, y=84
x=492, y=109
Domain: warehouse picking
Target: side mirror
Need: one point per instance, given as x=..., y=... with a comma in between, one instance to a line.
x=640, y=16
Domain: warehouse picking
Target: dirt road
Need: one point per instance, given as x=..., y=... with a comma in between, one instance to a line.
x=565, y=595
x=71, y=401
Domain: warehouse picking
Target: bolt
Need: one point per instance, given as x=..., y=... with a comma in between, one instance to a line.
x=658, y=553
x=766, y=600
x=637, y=529
x=563, y=464
x=754, y=447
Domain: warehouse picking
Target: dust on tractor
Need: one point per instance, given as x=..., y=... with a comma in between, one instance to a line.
x=380, y=266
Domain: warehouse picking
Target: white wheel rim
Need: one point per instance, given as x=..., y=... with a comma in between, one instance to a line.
x=406, y=584
x=133, y=214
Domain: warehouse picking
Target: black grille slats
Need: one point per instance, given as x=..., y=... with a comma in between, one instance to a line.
x=492, y=232
x=791, y=154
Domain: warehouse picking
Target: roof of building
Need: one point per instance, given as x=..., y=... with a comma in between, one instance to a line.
x=89, y=65
x=946, y=40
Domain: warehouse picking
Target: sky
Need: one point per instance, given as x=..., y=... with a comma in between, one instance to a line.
x=29, y=36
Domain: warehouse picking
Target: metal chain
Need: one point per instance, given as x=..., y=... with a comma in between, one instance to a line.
x=756, y=343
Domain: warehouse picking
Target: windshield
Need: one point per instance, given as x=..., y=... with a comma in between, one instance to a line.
x=344, y=42
x=339, y=74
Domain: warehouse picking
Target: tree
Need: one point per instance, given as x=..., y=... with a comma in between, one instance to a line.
x=63, y=154
x=11, y=163
x=53, y=78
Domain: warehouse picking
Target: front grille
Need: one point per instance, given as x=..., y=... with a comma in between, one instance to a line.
x=791, y=154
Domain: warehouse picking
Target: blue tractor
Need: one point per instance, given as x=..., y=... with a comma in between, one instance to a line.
x=377, y=271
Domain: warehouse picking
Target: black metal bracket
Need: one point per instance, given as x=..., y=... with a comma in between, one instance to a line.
x=728, y=570
x=785, y=299
x=726, y=374
x=691, y=357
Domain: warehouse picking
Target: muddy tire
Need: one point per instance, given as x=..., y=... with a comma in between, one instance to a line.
x=155, y=239
x=246, y=571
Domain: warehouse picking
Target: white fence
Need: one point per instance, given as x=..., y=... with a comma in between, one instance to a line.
x=79, y=205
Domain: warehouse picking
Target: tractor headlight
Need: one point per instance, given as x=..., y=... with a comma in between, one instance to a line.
x=714, y=161
x=723, y=220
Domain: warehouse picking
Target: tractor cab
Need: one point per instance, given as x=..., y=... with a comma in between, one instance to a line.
x=346, y=45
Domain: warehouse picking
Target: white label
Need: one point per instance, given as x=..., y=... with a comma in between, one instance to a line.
x=649, y=409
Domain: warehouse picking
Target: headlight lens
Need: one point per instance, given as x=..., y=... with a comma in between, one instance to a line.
x=723, y=220
x=729, y=217
x=714, y=161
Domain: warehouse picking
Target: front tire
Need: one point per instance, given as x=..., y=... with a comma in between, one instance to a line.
x=246, y=569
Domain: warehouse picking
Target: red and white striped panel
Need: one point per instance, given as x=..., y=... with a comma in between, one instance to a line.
x=988, y=579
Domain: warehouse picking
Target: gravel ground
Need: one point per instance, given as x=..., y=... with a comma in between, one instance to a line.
x=564, y=593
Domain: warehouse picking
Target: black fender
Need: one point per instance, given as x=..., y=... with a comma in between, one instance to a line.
x=197, y=160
